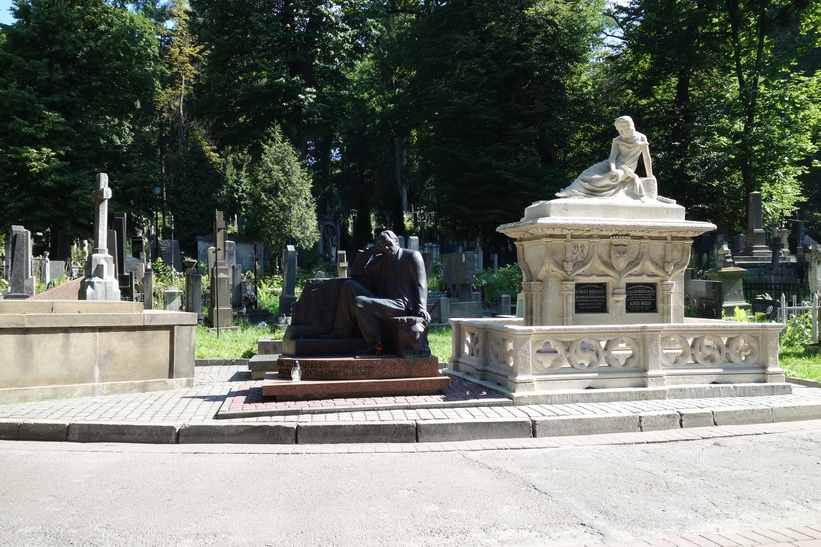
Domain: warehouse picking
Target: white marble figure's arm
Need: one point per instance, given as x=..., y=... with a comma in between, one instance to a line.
x=648, y=164
x=614, y=152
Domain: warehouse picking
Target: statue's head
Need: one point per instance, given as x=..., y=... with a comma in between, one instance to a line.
x=626, y=128
x=388, y=242
x=624, y=121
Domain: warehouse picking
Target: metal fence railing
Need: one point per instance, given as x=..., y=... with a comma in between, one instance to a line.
x=796, y=307
x=754, y=290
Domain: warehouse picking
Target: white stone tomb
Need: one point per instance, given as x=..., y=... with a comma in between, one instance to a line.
x=603, y=282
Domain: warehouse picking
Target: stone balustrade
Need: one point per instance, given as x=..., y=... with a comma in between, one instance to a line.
x=528, y=359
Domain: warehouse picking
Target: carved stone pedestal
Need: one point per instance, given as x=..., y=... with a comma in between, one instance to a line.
x=593, y=261
x=332, y=377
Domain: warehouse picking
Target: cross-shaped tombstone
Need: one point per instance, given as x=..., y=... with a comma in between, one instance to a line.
x=101, y=195
x=220, y=311
x=100, y=282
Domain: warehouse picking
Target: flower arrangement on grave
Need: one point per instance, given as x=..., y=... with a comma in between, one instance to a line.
x=249, y=299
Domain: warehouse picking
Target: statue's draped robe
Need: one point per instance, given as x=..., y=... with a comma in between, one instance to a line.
x=596, y=181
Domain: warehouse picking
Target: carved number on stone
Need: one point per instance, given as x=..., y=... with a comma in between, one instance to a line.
x=675, y=350
x=586, y=353
x=551, y=356
x=743, y=350
x=708, y=350
x=622, y=352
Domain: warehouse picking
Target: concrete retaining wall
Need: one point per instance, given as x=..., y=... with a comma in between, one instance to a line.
x=57, y=349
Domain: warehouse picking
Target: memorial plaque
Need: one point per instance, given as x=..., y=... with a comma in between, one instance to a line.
x=641, y=298
x=137, y=246
x=591, y=298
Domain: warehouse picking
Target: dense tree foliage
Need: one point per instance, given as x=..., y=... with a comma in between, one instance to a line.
x=276, y=195
x=489, y=101
x=715, y=85
x=77, y=87
x=191, y=166
x=466, y=110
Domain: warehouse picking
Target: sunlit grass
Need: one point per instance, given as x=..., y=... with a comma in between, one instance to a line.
x=231, y=344
x=800, y=363
x=439, y=340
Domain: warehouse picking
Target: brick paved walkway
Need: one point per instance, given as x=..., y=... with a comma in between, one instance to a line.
x=225, y=395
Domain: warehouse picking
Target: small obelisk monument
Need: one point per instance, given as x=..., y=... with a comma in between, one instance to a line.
x=100, y=282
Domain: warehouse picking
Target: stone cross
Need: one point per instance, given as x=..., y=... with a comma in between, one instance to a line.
x=101, y=281
x=219, y=236
x=220, y=312
x=101, y=195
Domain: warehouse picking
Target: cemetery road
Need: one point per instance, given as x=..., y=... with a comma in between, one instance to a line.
x=61, y=494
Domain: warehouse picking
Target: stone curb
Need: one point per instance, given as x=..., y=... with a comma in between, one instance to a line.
x=402, y=431
x=357, y=432
x=237, y=433
x=112, y=432
x=473, y=430
x=561, y=426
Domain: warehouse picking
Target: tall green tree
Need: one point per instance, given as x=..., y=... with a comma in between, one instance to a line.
x=191, y=166
x=373, y=173
x=77, y=87
x=271, y=62
x=276, y=195
x=489, y=103
x=716, y=87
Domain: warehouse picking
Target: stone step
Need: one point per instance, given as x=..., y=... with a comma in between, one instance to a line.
x=260, y=365
x=268, y=346
x=360, y=368
x=284, y=390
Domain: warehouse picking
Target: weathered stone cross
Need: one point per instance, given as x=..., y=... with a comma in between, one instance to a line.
x=101, y=195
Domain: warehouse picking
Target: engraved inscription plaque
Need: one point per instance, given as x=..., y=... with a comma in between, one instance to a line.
x=591, y=298
x=641, y=298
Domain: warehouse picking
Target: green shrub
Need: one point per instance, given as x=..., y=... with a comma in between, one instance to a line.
x=435, y=283
x=797, y=331
x=268, y=291
x=493, y=284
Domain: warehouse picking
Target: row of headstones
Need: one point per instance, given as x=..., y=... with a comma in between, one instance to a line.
x=21, y=269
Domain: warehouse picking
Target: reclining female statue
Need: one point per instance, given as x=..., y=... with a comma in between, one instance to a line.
x=617, y=174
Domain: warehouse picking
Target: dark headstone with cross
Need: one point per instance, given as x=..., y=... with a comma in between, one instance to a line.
x=220, y=311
